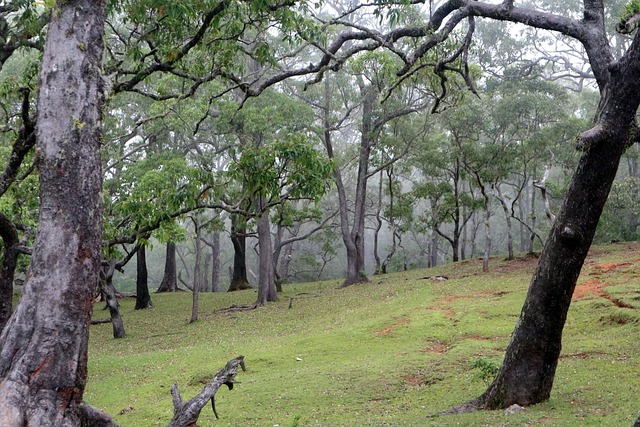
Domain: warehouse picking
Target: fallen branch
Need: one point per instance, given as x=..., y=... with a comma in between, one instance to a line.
x=186, y=414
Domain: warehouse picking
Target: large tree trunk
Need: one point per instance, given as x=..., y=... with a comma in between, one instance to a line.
x=143, y=299
x=170, y=278
x=43, y=348
x=239, y=279
x=528, y=370
x=10, y=242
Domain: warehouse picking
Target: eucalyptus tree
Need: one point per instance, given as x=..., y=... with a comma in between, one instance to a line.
x=43, y=350
x=284, y=169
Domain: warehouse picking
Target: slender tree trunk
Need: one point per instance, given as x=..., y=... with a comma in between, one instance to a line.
x=285, y=263
x=534, y=219
x=206, y=285
x=239, y=279
x=10, y=241
x=109, y=293
x=143, y=299
x=433, y=249
x=197, y=274
x=376, y=235
x=507, y=218
x=170, y=278
x=266, y=287
x=522, y=209
x=487, y=238
x=215, y=264
x=43, y=347
x=353, y=275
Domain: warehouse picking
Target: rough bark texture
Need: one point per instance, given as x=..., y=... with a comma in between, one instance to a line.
x=215, y=265
x=143, y=299
x=170, y=278
x=109, y=293
x=197, y=274
x=266, y=283
x=43, y=348
x=239, y=279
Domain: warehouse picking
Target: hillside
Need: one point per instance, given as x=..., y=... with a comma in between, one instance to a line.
x=390, y=352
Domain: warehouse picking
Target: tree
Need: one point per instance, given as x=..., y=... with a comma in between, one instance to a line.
x=143, y=299
x=170, y=277
x=527, y=373
x=43, y=348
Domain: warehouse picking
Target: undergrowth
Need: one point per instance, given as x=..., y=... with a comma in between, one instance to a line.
x=393, y=352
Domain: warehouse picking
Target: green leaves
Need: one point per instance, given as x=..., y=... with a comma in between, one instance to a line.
x=288, y=168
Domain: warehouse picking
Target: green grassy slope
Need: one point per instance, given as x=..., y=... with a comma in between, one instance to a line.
x=390, y=352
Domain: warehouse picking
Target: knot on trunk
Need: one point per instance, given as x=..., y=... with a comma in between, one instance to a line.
x=571, y=234
x=588, y=139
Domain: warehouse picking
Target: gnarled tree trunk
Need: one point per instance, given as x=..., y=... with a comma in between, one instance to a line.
x=43, y=348
x=239, y=279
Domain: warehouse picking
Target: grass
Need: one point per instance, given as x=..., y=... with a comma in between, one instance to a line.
x=387, y=353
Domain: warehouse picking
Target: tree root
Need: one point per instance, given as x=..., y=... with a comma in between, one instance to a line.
x=234, y=308
x=94, y=417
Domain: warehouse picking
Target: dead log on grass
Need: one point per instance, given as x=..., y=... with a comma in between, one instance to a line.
x=186, y=414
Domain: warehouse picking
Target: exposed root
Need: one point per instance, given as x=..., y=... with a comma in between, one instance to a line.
x=465, y=408
x=235, y=308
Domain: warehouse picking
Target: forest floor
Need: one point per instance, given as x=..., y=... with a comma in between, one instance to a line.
x=392, y=352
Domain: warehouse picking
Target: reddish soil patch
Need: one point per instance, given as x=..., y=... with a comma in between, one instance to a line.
x=388, y=330
x=412, y=380
x=592, y=286
x=437, y=347
x=608, y=267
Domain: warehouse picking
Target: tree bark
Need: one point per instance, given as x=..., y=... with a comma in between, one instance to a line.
x=266, y=287
x=215, y=265
x=170, y=278
x=507, y=218
x=239, y=279
x=43, y=348
x=109, y=292
x=527, y=373
x=197, y=274
x=143, y=299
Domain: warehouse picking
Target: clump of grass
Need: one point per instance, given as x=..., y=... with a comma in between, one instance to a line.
x=619, y=319
x=487, y=370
